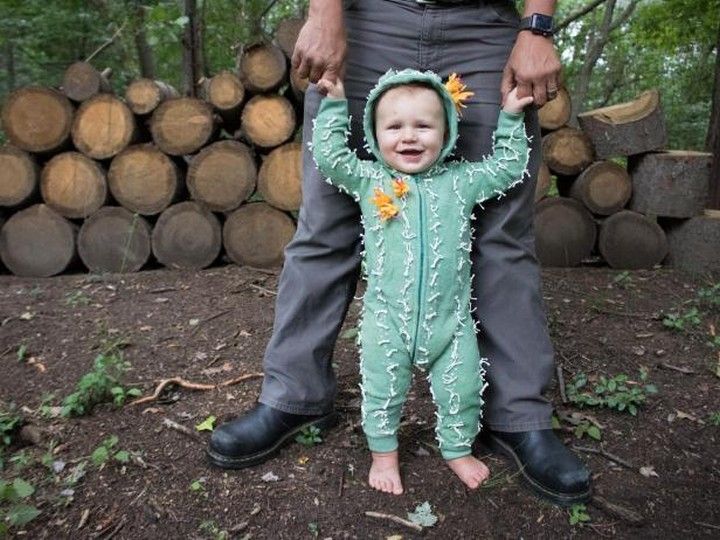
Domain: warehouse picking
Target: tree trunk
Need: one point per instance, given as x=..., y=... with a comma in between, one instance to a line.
x=226, y=94
x=37, y=242
x=544, y=181
x=256, y=235
x=694, y=244
x=146, y=59
x=82, y=81
x=268, y=120
x=630, y=241
x=192, y=49
x=10, y=65
x=223, y=175
x=144, y=180
x=103, y=127
x=182, y=126
x=287, y=33
x=18, y=177
x=187, y=236
x=564, y=232
x=712, y=143
x=73, y=185
x=281, y=177
x=37, y=119
x=114, y=239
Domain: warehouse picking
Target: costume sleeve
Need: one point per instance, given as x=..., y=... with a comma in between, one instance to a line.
x=338, y=163
x=505, y=167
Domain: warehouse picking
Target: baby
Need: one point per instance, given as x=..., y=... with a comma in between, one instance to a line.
x=416, y=209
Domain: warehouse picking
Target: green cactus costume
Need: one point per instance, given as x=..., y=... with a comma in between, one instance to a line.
x=416, y=308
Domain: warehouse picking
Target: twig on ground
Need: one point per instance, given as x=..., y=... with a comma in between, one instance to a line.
x=646, y=316
x=621, y=512
x=262, y=289
x=602, y=452
x=161, y=290
x=263, y=270
x=561, y=383
x=396, y=519
x=179, y=427
x=211, y=317
x=342, y=482
x=686, y=371
x=117, y=528
x=191, y=385
x=83, y=518
x=710, y=525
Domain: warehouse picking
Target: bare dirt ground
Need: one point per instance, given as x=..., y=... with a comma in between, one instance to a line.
x=656, y=474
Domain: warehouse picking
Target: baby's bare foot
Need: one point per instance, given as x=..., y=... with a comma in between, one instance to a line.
x=470, y=470
x=385, y=473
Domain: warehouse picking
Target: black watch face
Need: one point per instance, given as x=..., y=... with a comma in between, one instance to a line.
x=541, y=23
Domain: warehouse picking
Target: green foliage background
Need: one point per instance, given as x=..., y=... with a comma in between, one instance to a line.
x=668, y=44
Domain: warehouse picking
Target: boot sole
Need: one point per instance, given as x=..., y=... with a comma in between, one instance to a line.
x=557, y=497
x=231, y=462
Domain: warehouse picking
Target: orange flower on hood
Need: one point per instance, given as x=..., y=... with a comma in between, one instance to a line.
x=400, y=187
x=458, y=91
x=381, y=198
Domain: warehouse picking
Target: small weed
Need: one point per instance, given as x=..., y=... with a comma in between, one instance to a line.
x=101, y=385
x=623, y=280
x=309, y=436
x=10, y=422
x=106, y=450
x=198, y=485
x=578, y=514
x=616, y=392
x=710, y=296
x=21, y=352
x=14, y=512
x=714, y=418
x=682, y=322
x=586, y=428
x=314, y=529
x=211, y=528
x=20, y=460
x=77, y=298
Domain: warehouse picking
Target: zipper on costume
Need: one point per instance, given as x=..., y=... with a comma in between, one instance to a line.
x=421, y=267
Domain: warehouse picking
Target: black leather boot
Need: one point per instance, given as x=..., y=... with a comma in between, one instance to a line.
x=258, y=435
x=551, y=470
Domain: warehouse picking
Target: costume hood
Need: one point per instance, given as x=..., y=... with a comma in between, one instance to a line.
x=394, y=78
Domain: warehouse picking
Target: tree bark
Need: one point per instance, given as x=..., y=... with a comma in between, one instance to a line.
x=146, y=59
x=192, y=49
x=10, y=65
x=712, y=142
x=630, y=241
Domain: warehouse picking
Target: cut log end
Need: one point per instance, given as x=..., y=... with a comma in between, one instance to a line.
x=82, y=81
x=144, y=95
x=225, y=91
x=564, y=232
x=37, y=242
x=280, y=177
x=73, y=185
x=144, y=180
x=37, y=119
x=103, y=126
x=223, y=175
x=256, y=235
x=182, y=125
x=268, y=121
x=186, y=236
x=18, y=176
x=114, y=239
x=604, y=187
x=544, y=181
x=556, y=113
x=263, y=67
x=567, y=151
x=631, y=241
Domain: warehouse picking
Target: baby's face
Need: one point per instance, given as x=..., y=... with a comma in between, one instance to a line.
x=410, y=128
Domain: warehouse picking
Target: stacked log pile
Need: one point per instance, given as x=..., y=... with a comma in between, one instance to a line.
x=115, y=183
x=633, y=216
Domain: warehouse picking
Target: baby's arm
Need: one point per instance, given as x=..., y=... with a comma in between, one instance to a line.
x=507, y=165
x=334, y=159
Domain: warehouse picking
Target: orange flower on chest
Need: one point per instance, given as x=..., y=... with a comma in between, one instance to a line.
x=400, y=187
x=386, y=208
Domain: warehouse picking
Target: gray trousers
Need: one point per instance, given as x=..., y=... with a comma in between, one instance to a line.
x=322, y=261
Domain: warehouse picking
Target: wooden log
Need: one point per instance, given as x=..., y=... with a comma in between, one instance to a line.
x=103, y=127
x=268, y=121
x=82, y=81
x=73, y=185
x=544, y=181
x=226, y=93
x=694, y=244
x=222, y=176
x=670, y=184
x=144, y=180
x=567, y=151
x=19, y=176
x=564, y=232
x=187, y=235
x=630, y=241
x=627, y=128
x=256, y=235
x=143, y=96
x=114, y=239
x=287, y=33
x=37, y=119
x=262, y=67
x=604, y=188
x=37, y=242
x=280, y=178
x=556, y=113
x=182, y=125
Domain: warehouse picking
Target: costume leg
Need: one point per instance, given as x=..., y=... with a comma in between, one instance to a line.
x=457, y=381
x=477, y=42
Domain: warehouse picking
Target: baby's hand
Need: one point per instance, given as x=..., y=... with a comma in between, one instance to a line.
x=514, y=104
x=333, y=89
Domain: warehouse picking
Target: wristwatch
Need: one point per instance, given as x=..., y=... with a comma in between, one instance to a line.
x=537, y=23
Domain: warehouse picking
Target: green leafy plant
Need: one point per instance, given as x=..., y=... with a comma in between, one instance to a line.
x=14, y=511
x=21, y=352
x=623, y=280
x=77, y=298
x=586, y=428
x=10, y=422
x=714, y=418
x=309, y=436
x=616, y=392
x=578, y=514
x=681, y=322
x=206, y=425
x=210, y=527
x=314, y=529
x=710, y=296
x=101, y=385
x=106, y=450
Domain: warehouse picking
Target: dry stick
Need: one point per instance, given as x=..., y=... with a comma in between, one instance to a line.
x=561, y=383
x=263, y=289
x=179, y=427
x=396, y=519
x=616, y=510
x=686, y=371
x=117, y=528
x=107, y=43
x=342, y=482
x=605, y=454
x=703, y=524
x=192, y=386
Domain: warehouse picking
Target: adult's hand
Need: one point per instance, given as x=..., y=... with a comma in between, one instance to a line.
x=534, y=67
x=321, y=45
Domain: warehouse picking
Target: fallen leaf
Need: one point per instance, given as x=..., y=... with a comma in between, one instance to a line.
x=302, y=460
x=423, y=515
x=194, y=322
x=648, y=471
x=686, y=416
x=270, y=477
x=206, y=425
x=26, y=316
x=638, y=350
x=256, y=510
